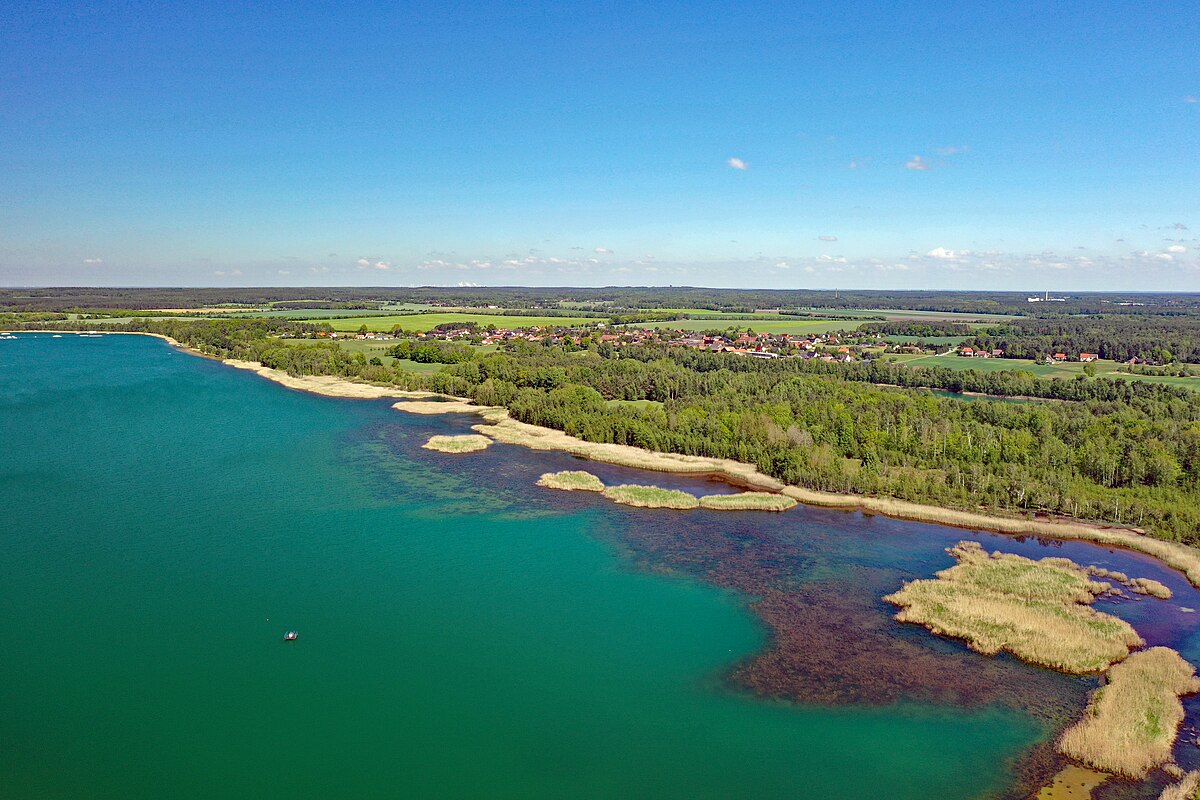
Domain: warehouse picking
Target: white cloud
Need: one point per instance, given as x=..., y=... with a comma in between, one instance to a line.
x=1164, y=256
x=93, y=261
x=283, y=271
x=233, y=272
x=467, y=284
x=363, y=262
x=827, y=238
x=382, y=265
x=917, y=163
x=853, y=165
x=602, y=250
x=1176, y=248
x=953, y=150
x=943, y=253
x=737, y=163
x=1191, y=98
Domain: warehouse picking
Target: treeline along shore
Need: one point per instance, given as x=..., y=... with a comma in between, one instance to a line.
x=1120, y=454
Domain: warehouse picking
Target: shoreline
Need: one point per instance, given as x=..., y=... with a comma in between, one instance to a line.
x=499, y=426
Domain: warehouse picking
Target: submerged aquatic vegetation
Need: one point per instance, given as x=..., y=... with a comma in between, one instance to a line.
x=747, y=501
x=572, y=480
x=1036, y=610
x=1131, y=722
x=650, y=497
x=467, y=443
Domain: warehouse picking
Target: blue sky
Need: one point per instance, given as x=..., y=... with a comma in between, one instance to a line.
x=909, y=145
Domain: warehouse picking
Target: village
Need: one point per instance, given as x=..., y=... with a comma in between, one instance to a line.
x=833, y=347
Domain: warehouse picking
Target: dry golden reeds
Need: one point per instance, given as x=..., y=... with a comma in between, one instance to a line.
x=467, y=443
x=1036, y=610
x=747, y=501
x=1130, y=724
x=572, y=481
x=650, y=497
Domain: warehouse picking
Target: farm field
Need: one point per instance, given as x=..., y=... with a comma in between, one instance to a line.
x=1067, y=370
x=427, y=322
x=777, y=325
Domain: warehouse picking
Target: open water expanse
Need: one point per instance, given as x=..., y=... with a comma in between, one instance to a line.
x=463, y=632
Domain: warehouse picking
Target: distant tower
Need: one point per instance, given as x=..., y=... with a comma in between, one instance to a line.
x=1047, y=295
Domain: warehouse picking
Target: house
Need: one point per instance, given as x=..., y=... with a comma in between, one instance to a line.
x=968, y=352
x=1086, y=357
x=1060, y=357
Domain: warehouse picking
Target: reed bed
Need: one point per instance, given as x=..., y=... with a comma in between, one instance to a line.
x=467, y=443
x=1131, y=723
x=747, y=501
x=572, y=481
x=1151, y=587
x=1036, y=610
x=451, y=406
x=1188, y=788
x=650, y=497
x=1147, y=586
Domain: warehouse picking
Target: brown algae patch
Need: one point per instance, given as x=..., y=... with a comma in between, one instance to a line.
x=572, y=481
x=748, y=501
x=1036, y=610
x=1072, y=783
x=1131, y=722
x=468, y=443
x=650, y=497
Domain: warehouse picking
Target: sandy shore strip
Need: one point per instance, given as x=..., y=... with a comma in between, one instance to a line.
x=509, y=431
x=328, y=385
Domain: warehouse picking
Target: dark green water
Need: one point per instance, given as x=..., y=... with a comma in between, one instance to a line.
x=463, y=633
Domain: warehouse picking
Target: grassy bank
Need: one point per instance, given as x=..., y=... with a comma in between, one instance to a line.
x=747, y=501
x=571, y=481
x=467, y=443
x=650, y=497
x=1131, y=723
x=1036, y=610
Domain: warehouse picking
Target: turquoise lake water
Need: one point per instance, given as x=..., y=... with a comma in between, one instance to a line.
x=463, y=633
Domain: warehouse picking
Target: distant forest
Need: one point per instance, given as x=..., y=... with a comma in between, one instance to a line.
x=607, y=299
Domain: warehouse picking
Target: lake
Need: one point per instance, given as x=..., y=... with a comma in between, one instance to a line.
x=463, y=632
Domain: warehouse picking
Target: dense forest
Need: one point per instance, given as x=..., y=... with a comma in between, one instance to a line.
x=1122, y=452
x=1159, y=339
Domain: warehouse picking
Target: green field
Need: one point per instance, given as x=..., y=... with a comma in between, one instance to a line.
x=1069, y=369
x=777, y=325
x=427, y=322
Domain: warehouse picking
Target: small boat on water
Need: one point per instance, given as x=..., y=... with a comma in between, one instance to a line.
x=291, y=636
